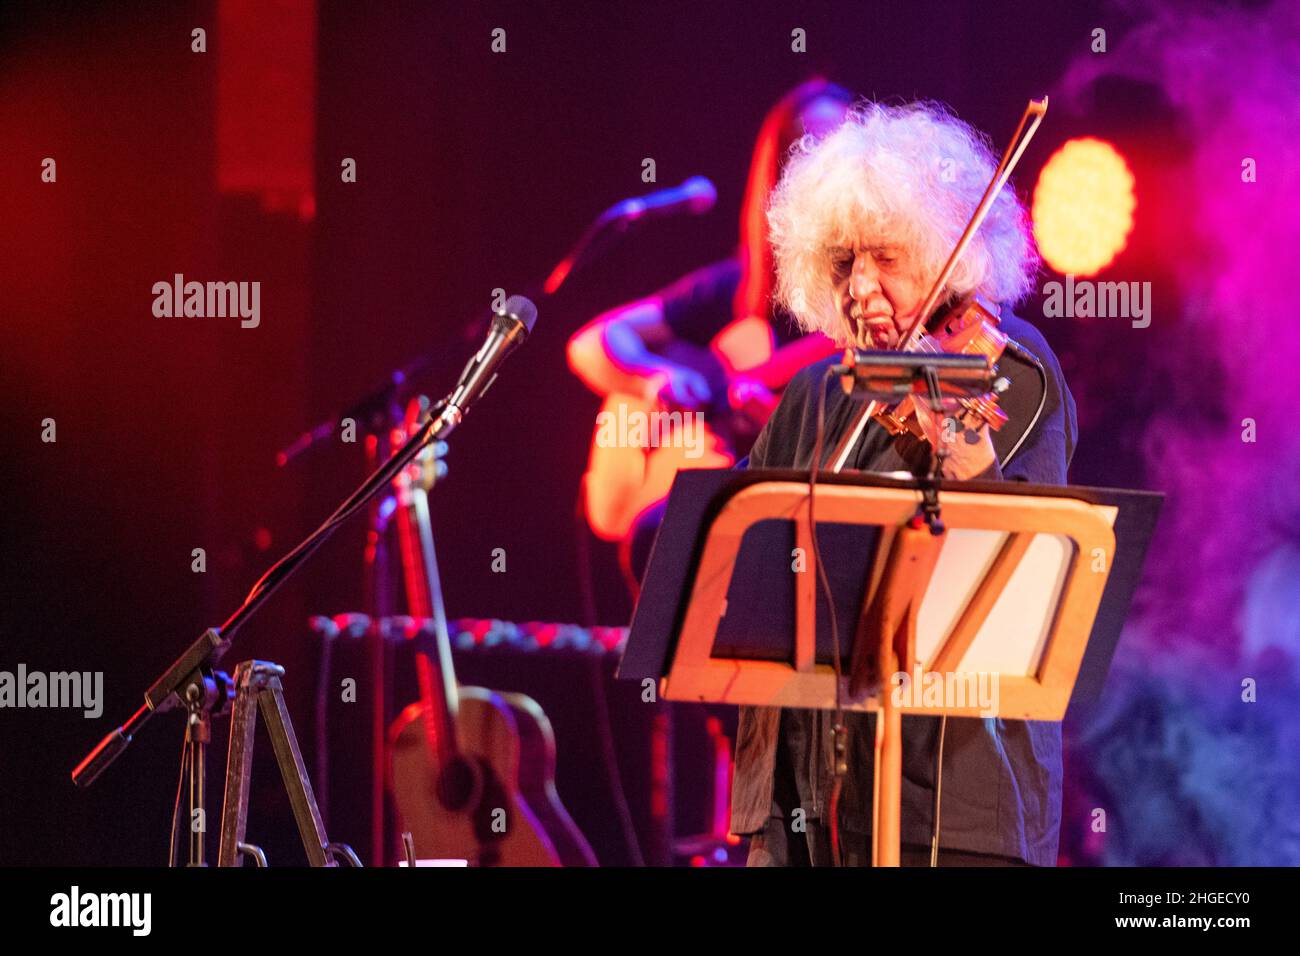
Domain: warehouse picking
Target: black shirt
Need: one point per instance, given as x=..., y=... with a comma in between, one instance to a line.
x=699, y=305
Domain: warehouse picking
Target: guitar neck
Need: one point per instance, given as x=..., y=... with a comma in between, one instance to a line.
x=436, y=673
x=790, y=358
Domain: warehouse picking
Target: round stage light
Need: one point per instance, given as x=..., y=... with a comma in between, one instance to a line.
x=1083, y=207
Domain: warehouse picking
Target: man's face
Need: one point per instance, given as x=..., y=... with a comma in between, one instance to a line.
x=879, y=292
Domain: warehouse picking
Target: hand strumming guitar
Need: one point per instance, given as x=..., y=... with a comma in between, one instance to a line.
x=677, y=386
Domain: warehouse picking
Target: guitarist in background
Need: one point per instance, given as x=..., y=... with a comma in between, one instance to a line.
x=712, y=342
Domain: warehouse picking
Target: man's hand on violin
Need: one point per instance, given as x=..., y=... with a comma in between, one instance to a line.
x=969, y=449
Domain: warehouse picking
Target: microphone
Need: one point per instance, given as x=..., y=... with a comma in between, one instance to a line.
x=696, y=196
x=509, y=328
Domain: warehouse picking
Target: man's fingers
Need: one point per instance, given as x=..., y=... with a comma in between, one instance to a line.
x=928, y=423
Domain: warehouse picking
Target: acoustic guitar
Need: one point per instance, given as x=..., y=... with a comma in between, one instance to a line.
x=624, y=477
x=473, y=770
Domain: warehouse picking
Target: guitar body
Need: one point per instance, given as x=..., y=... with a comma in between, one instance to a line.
x=622, y=480
x=537, y=782
x=454, y=812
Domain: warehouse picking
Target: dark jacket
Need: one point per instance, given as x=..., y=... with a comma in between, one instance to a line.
x=1001, y=778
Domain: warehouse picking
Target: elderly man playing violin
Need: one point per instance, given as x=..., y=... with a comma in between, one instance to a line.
x=862, y=223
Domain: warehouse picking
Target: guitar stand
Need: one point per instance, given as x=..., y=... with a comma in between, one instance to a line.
x=257, y=685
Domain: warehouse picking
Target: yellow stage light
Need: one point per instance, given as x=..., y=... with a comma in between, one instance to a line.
x=1083, y=207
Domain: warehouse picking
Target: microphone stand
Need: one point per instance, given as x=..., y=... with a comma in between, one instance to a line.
x=373, y=407
x=378, y=411
x=192, y=680
x=622, y=216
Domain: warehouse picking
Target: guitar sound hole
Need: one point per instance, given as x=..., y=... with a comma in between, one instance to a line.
x=456, y=784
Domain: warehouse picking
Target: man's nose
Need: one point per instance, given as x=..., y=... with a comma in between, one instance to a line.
x=865, y=280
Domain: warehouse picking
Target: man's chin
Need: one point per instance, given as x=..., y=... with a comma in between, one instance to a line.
x=881, y=342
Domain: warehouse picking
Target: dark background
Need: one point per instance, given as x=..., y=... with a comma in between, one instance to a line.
x=475, y=171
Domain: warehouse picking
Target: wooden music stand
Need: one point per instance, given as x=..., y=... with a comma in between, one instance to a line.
x=1008, y=596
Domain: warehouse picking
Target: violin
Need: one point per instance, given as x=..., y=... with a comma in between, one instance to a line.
x=970, y=328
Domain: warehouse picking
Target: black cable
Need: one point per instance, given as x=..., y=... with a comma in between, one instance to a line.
x=586, y=577
x=604, y=730
x=1022, y=353
x=938, y=788
x=838, y=731
x=322, y=729
x=176, y=806
x=938, y=455
x=606, y=734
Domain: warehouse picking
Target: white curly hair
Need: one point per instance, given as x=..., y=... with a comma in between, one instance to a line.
x=908, y=176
